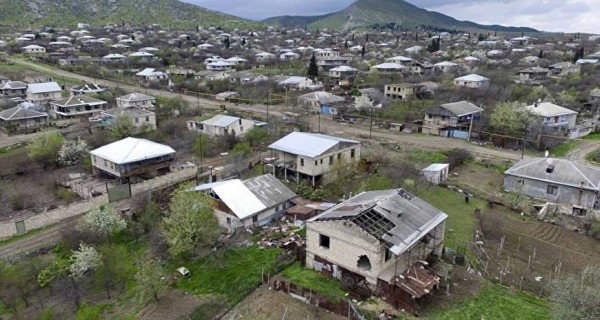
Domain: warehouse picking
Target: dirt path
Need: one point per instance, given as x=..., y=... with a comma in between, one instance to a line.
x=582, y=150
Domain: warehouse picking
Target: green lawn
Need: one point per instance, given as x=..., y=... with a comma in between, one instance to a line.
x=496, y=303
x=461, y=219
x=313, y=280
x=233, y=274
x=563, y=149
x=592, y=136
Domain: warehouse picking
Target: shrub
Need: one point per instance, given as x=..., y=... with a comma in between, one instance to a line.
x=457, y=157
x=65, y=194
x=17, y=202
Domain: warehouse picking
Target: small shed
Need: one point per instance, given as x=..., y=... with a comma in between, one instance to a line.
x=436, y=173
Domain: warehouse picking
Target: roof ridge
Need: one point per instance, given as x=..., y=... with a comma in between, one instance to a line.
x=582, y=174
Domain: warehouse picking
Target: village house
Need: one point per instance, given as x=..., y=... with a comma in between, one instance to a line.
x=446, y=66
x=114, y=57
x=534, y=75
x=221, y=65
x=87, y=89
x=220, y=125
x=33, y=49
x=131, y=157
x=24, y=117
x=472, y=81
x=419, y=68
x=556, y=180
x=563, y=68
x=43, y=92
x=342, y=73
x=136, y=99
x=13, y=89
x=253, y=202
x=402, y=91
x=321, y=101
x=296, y=82
x=142, y=119
x=310, y=156
x=399, y=60
x=452, y=120
x=379, y=238
x=436, y=173
x=389, y=68
x=207, y=75
x=151, y=75
x=75, y=106
x=553, y=116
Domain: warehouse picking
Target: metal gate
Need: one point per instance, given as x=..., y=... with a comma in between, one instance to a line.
x=20, y=227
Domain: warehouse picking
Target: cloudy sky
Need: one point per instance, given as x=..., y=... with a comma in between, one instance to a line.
x=547, y=15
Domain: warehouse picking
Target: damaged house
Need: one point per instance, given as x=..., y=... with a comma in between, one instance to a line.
x=558, y=181
x=253, y=202
x=380, y=239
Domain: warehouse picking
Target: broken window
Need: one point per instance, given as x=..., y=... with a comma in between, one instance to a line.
x=552, y=189
x=352, y=153
x=302, y=162
x=550, y=168
x=388, y=254
x=324, y=241
x=363, y=263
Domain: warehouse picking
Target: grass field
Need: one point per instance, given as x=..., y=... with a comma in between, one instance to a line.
x=496, y=303
x=232, y=275
x=308, y=278
x=563, y=149
x=461, y=221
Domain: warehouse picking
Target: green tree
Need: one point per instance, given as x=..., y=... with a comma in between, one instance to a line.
x=83, y=260
x=510, y=117
x=318, y=194
x=45, y=148
x=201, y=146
x=313, y=69
x=115, y=270
x=256, y=136
x=122, y=128
x=191, y=223
x=151, y=281
x=241, y=148
x=103, y=221
x=576, y=296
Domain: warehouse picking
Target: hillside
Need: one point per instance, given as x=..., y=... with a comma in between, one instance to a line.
x=365, y=13
x=170, y=13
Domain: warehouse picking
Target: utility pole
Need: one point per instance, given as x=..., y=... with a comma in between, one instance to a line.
x=198, y=99
x=371, y=126
x=319, y=115
x=524, y=136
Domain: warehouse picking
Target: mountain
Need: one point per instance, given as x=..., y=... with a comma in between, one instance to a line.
x=171, y=13
x=366, y=13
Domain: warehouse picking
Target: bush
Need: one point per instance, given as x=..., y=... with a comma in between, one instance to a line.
x=17, y=202
x=87, y=312
x=65, y=194
x=457, y=157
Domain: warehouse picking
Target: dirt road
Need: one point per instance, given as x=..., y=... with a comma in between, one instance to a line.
x=583, y=148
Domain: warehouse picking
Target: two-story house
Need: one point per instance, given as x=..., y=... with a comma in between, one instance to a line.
x=380, y=238
x=402, y=91
x=220, y=125
x=43, y=92
x=137, y=100
x=142, y=119
x=321, y=101
x=553, y=116
x=534, y=75
x=131, y=157
x=13, y=89
x=310, y=156
x=453, y=120
x=75, y=106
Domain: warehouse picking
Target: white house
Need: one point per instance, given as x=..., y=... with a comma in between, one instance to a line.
x=141, y=118
x=296, y=82
x=74, y=106
x=554, y=116
x=151, y=75
x=221, y=124
x=136, y=99
x=472, y=81
x=33, y=49
x=43, y=92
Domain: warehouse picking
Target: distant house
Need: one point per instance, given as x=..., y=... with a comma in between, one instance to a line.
x=220, y=125
x=399, y=59
x=87, y=89
x=446, y=66
x=13, y=89
x=436, y=173
x=253, y=202
x=141, y=118
x=453, y=120
x=310, y=156
x=247, y=77
x=321, y=101
x=534, y=75
x=342, y=72
x=221, y=65
x=595, y=96
x=402, y=91
x=132, y=157
x=419, y=68
x=389, y=67
x=33, y=49
x=207, y=75
x=136, y=99
x=289, y=56
x=114, y=57
x=472, y=81
x=75, y=106
x=380, y=238
x=296, y=82
x=43, y=92
x=264, y=57
x=554, y=116
x=24, y=117
x=556, y=180
x=563, y=68
x=151, y=75
x=142, y=55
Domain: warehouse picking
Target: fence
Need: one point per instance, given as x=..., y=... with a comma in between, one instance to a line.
x=337, y=305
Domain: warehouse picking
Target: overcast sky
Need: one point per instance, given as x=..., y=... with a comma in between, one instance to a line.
x=547, y=15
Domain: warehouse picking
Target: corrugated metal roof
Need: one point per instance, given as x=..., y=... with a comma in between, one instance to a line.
x=564, y=172
x=322, y=97
x=220, y=120
x=307, y=144
x=242, y=202
x=461, y=108
x=405, y=219
x=472, y=78
x=43, y=87
x=17, y=113
x=269, y=190
x=78, y=101
x=131, y=150
x=547, y=109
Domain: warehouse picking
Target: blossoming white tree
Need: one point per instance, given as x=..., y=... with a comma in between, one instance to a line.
x=85, y=259
x=104, y=221
x=72, y=151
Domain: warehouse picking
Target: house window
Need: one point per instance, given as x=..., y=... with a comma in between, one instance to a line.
x=321, y=161
x=388, y=254
x=352, y=153
x=228, y=220
x=255, y=219
x=316, y=163
x=324, y=241
x=552, y=189
x=105, y=163
x=331, y=160
x=147, y=119
x=339, y=156
x=302, y=162
x=137, y=120
x=520, y=182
